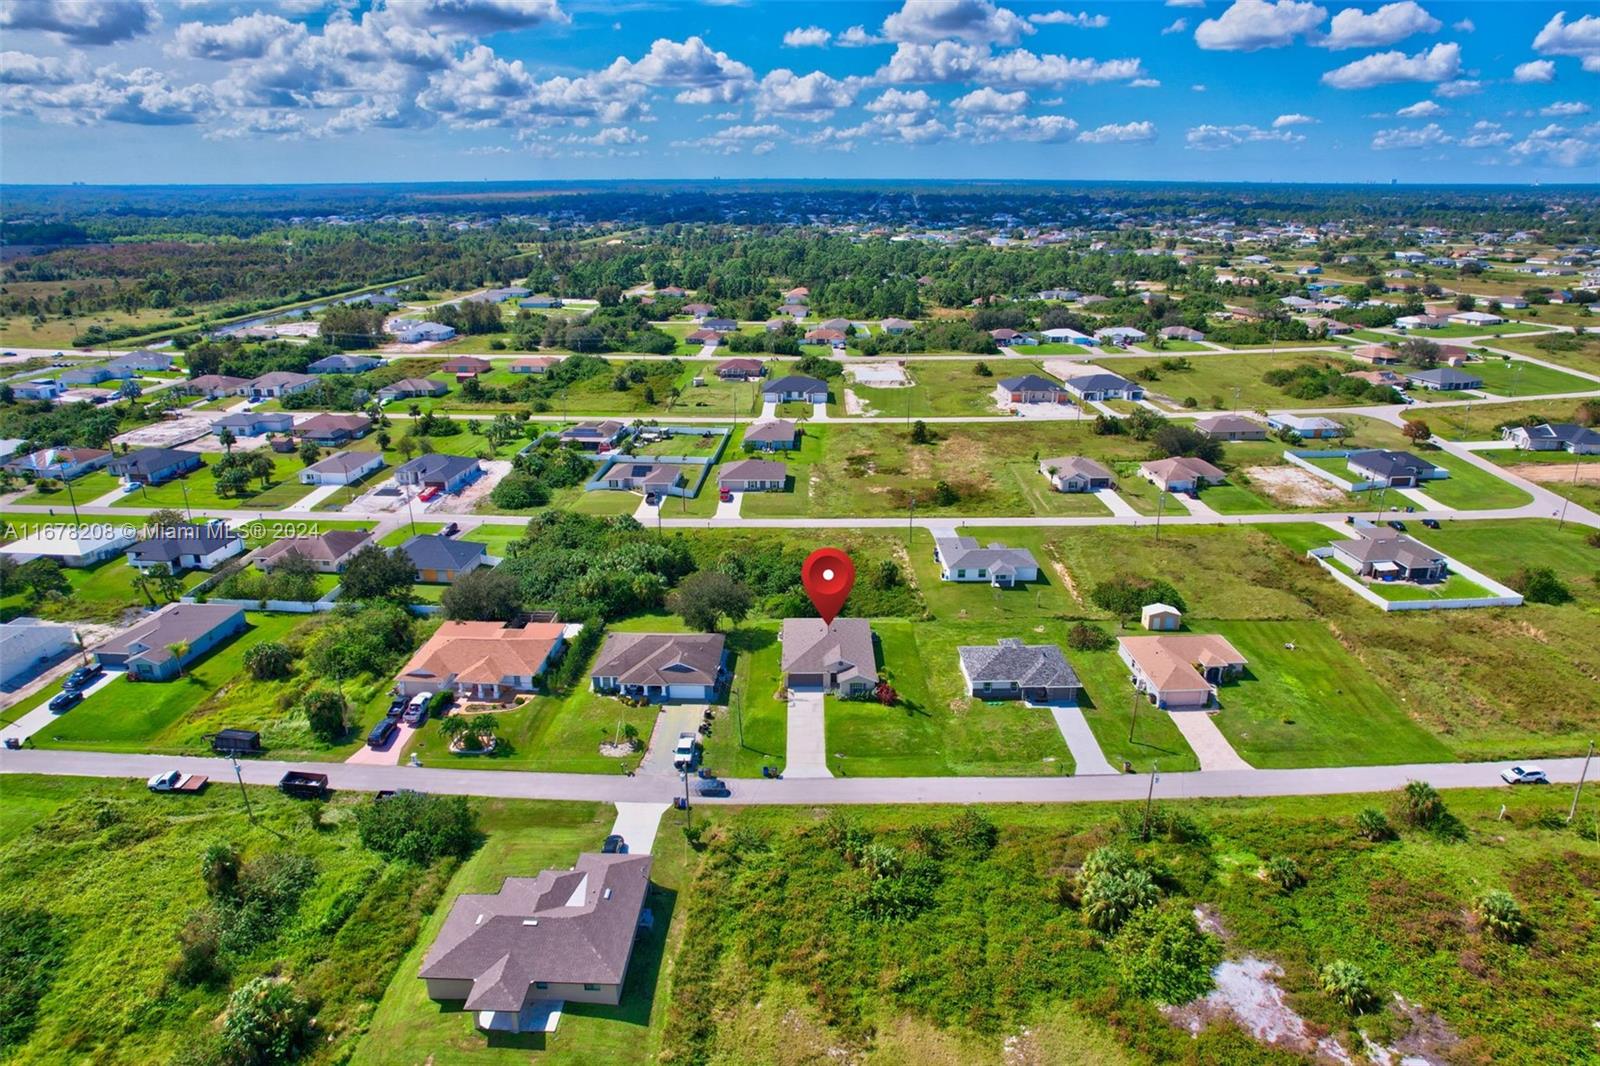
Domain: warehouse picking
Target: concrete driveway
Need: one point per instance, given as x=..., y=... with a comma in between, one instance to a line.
x=1086, y=753
x=41, y=716
x=1210, y=746
x=730, y=509
x=637, y=823
x=389, y=754
x=674, y=719
x=807, y=755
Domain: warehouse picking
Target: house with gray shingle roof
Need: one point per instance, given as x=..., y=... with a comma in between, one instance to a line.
x=964, y=559
x=661, y=666
x=772, y=435
x=1010, y=670
x=440, y=560
x=146, y=650
x=835, y=656
x=1074, y=473
x=565, y=935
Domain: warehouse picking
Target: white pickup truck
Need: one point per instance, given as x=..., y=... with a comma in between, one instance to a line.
x=177, y=781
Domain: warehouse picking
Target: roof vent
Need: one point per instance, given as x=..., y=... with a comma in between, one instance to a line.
x=530, y=921
x=606, y=894
x=479, y=920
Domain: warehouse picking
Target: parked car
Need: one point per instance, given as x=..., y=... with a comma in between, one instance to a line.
x=1396, y=525
x=82, y=677
x=652, y=500
x=177, y=781
x=417, y=709
x=1430, y=523
x=303, y=785
x=386, y=728
x=1524, y=775
x=429, y=493
x=683, y=751
x=65, y=701
x=614, y=845
x=450, y=530
x=397, y=707
x=726, y=495
x=712, y=786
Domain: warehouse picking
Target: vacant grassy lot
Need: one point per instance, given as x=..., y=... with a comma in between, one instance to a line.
x=1482, y=421
x=939, y=387
x=98, y=594
x=1470, y=487
x=1224, y=382
x=170, y=717
x=115, y=873
x=1517, y=377
x=1567, y=349
x=408, y=1029
x=989, y=966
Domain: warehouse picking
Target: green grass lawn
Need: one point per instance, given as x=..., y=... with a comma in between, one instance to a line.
x=169, y=717
x=1482, y=421
x=198, y=490
x=1471, y=488
x=1231, y=497
x=937, y=729
x=1454, y=586
x=408, y=1029
x=939, y=387
x=752, y=730
x=1517, y=377
x=98, y=594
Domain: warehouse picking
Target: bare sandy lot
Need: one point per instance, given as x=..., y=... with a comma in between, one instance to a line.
x=1588, y=473
x=879, y=375
x=1291, y=485
x=166, y=434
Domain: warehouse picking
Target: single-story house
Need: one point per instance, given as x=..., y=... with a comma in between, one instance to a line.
x=344, y=364
x=1120, y=335
x=754, y=475
x=1180, y=672
x=534, y=364
x=896, y=326
x=795, y=387
x=1161, y=617
x=594, y=436
x=563, y=936
x=28, y=645
x=1330, y=327
x=466, y=366
x=440, y=560
x=253, y=423
x=333, y=429
x=1057, y=294
x=328, y=552
x=703, y=337
x=1563, y=436
x=447, y=473
x=1384, y=554
x=482, y=660
x=342, y=468
x=964, y=559
x=835, y=657
x=719, y=325
x=146, y=650
x=1181, y=473
x=672, y=292
x=1181, y=333
x=1102, y=385
x=77, y=546
x=642, y=477
x=1074, y=473
x=698, y=311
x=1063, y=335
x=1444, y=378
x=213, y=386
x=153, y=466
x=833, y=338
x=410, y=388
x=37, y=389
x=1231, y=427
x=1400, y=470
x=61, y=463
x=1475, y=318
x=1008, y=338
x=498, y=296
x=187, y=547
x=661, y=666
x=1308, y=427
x=143, y=361
x=90, y=375
x=1421, y=322
x=277, y=384
x=1378, y=377
x=1376, y=355
x=775, y=325
x=408, y=332
x=772, y=435
x=740, y=369
x=1029, y=388
x=540, y=301
x=840, y=324
x=1010, y=669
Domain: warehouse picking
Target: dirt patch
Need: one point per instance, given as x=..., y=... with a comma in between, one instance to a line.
x=1247, y=992
x=1427, y=1039
x=879, y=375
x=466, y=501
x=1294, y=486
x=855, y=405
x=1066, y=368
x=1063, y=573
x=1550, y=473
x=166, y=433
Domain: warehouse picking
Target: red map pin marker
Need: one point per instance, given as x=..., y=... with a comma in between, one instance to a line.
x=828, y=575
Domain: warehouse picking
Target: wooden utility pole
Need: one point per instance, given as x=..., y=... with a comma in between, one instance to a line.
x=1149, y=798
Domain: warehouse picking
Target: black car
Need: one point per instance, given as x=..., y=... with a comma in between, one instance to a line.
x=450, y=530
x=65, y=701
x=1396, y=525
x=614, y=845
x=712, y=786
x=1431, y=523
x=382, y=732
x=397, y=706
x=81, y=678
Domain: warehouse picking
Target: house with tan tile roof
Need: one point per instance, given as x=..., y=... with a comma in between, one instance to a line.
x=483, y=660
x=1180, y=671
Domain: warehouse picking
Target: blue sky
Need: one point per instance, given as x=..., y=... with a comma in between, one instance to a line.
x=118, y=91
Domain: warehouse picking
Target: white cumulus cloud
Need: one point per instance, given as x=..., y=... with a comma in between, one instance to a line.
x=1354, y=28
x=987, y=101
x=1211, y=138
x=1293, y=119
x=1082, y=19
x=811, y=97
x=807, y=37
x=976, y=21
x=1124, y=133
x=1250, y=25
x=1420, y=109
x=1439, y=63
x=1429, y=136
x=1534, y=72
x=85, y=22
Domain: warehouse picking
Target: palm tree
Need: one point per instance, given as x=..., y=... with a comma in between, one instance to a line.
x=168, y=583
x=144, y=582
x=226, y=439
x=178, y=649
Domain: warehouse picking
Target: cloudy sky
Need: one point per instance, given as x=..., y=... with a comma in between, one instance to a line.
x=396, y=90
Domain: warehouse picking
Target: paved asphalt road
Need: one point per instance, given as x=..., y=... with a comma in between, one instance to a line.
x=609, y=789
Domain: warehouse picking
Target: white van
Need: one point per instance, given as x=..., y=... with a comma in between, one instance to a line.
x=417, y=710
